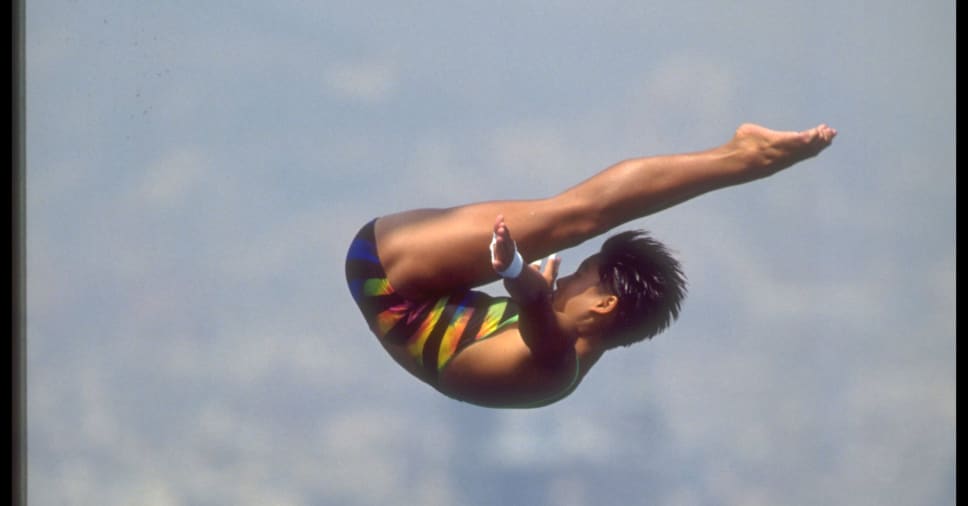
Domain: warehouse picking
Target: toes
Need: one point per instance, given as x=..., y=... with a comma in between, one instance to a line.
x=827, y=133
x=821, y=134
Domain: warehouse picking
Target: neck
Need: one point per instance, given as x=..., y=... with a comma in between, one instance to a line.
x=589, y=350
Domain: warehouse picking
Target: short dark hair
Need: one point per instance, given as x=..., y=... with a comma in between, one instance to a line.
x=648, y=282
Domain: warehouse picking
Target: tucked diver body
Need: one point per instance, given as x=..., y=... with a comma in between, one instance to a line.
x=413, y=274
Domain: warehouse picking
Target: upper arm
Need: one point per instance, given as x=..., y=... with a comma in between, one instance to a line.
x=541, y=333
x=538, y=323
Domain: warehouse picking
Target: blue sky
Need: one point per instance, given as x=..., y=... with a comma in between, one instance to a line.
x=196, y=169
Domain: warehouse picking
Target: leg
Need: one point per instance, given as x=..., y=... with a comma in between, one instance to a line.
x=432, y=251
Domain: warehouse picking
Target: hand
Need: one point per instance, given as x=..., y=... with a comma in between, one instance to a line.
x=503, y=249
x=550, y=269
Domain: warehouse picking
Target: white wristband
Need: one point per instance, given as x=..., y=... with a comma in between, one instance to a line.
x=517, y=264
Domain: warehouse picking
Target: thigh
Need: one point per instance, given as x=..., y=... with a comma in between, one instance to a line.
x=427, y=252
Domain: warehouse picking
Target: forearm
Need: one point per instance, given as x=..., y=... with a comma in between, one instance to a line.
x=530, y=286
x=537, y=323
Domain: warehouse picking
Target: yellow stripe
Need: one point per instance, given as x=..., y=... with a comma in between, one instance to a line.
x=448, y=344
x=417, y=341
x=493, y=317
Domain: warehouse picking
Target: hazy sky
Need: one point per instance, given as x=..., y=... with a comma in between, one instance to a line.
x=195, y=171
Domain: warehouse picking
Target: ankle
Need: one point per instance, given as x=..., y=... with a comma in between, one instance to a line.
x=745, y=159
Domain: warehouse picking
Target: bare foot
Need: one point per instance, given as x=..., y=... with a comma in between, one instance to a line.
x=770, y=151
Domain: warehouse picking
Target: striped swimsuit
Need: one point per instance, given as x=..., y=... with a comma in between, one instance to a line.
x=432, y=330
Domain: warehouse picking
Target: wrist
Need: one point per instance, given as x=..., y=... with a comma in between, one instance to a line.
x=513, y=270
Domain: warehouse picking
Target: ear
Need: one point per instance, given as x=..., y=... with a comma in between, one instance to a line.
x=606, y=304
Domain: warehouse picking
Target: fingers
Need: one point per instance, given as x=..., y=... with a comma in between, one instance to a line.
x=501, y=229
x=502, y=246
x=550, y=268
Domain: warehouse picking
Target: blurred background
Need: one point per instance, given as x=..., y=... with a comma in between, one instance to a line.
x=195, y=171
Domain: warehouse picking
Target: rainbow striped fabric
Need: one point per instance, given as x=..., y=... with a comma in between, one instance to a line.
x=433, y=331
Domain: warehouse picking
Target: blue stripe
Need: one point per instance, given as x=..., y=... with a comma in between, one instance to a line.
x=361, y=249
x=356, y=288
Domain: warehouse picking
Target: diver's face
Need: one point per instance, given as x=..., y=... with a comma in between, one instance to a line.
x=577, y=292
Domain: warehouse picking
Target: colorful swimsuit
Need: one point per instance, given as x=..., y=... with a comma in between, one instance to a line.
x=432, y=330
